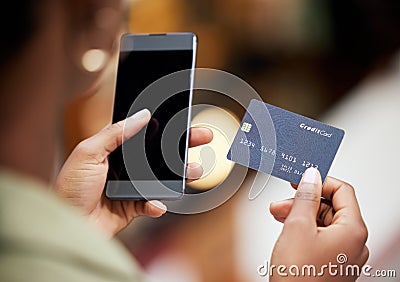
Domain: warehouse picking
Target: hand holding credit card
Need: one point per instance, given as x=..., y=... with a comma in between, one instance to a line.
x=284, y=144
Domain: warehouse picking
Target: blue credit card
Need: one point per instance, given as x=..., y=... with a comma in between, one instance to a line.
x=284, y=144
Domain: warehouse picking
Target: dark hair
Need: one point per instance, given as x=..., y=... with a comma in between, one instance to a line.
x=18, y=22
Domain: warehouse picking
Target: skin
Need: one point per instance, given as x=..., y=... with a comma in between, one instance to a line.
x=83, y=176
x=43, y=76
x=46, y=73
x=316, y=233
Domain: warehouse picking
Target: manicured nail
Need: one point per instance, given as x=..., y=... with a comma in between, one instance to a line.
x=311, y=175
x=158, y=204
x=145, y=113
x=282, y=201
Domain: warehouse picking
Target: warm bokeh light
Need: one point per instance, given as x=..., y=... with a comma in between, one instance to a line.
x=212, y=157
x=94, y=60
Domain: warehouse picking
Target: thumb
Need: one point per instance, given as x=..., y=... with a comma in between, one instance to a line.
x=306, y=202
x=112, y=136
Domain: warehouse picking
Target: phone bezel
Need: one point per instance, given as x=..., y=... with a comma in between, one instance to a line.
x=159, y=42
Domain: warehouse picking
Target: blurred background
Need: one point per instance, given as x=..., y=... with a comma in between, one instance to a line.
x=333, y=60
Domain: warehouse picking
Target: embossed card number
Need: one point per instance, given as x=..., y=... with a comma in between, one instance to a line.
x=299, y=142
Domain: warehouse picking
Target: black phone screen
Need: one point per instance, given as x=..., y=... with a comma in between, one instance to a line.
x=142, y=161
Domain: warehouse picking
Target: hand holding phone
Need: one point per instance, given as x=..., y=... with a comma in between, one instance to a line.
x=82, y=177
x=152, y=164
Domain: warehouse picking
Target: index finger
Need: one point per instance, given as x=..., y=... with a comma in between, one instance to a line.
x=344, y=201
x=199, y=136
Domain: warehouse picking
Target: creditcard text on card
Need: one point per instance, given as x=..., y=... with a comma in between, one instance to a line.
x=284, y=144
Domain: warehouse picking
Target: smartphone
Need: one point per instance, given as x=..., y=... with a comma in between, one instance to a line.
x=152, y=164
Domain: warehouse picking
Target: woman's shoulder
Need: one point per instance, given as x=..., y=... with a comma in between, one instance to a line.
x=42, y=236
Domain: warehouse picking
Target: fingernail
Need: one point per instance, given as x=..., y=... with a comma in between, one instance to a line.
x=281, y=201
x=206, y=130
x=145, y=113
x=311, y=175
x=158, y=204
